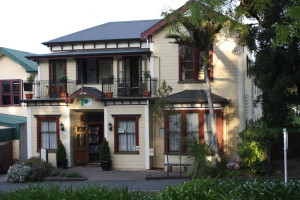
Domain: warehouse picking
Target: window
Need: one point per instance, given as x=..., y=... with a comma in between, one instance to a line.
x=47, y=132
x=10, y=93
x=191, y=65
x=191, y=124
x=93, y=70
x=57, y=70
x=126, y=133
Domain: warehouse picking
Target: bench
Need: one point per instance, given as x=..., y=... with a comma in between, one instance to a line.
x=170, y=165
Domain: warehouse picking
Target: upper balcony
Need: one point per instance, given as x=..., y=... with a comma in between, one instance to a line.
x=110, y=87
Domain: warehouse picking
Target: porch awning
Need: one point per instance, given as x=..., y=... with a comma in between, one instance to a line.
x=94, y=92
x=91, y=53
x=194, y=96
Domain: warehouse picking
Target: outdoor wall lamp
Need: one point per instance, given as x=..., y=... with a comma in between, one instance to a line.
x=109, y=126
x=62, y=126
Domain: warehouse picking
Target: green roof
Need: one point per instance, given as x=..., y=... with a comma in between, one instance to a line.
x=12, y=119
x=19, y=57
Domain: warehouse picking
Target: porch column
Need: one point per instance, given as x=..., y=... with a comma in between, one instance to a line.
x=68, y=130
x=147, y=136
x=105, y=123
x=29, y=133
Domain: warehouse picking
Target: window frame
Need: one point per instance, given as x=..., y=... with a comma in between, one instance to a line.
x=41, y=118
x=51, y=62
x=196, y=66
x=219, y=122
x=11, y=93
x=118, y=118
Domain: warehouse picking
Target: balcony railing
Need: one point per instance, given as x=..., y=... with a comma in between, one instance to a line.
x=129, y=88
x=47, y=89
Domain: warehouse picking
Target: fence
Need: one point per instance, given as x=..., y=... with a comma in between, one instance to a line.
x=6, y=156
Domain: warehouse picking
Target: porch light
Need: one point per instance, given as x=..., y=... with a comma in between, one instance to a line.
x=109, y=126
x=62, y=126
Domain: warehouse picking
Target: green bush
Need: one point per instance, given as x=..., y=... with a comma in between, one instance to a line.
x=18, y=173
x=61, y=151
x=105, y=151
x=64, y=173
x=254, y=146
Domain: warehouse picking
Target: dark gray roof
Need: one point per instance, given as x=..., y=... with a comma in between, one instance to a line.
x=95, y=91
x=102, y=52
x=194, y=96
x=126, y=30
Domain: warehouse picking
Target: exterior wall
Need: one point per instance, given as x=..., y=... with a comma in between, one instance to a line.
x=128, y=161
x=12, y=70
x=64, y=136
x=225, y=83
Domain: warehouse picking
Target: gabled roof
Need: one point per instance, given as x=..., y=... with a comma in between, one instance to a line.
x=20, y=58
x=194, y=96
x=124, y=30
x=94, y=92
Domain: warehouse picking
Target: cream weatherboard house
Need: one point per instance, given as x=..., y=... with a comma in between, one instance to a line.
x=91, y=86
x=14, y=68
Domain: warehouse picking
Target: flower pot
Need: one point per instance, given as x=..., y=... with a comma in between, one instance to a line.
x=28, y=96
x=62, y=164
x=106, y=165
x=63, y=95
x=109, y=94
x=147, y=94
x=28, y=87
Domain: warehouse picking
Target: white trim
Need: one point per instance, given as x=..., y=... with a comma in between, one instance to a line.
x=105, y=123
x=147, y=136
x=68, y=130
x=152, y=66
x=196, y=108
x=29, y=133
x=240, y=86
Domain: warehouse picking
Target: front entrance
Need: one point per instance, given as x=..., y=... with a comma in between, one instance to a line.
x=88, y=136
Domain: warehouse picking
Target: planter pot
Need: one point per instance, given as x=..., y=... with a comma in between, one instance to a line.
x=147, y=94
x=106, y=165
x=28, y=96
x=63, y=95
x=62, y=164
x=109, y=94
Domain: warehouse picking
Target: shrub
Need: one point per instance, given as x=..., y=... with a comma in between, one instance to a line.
x=18, y=173
x=61, y=152
x=64, y=173
x=105, y=151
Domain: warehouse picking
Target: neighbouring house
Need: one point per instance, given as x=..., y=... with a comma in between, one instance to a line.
x=14, y=69
x=91, y=86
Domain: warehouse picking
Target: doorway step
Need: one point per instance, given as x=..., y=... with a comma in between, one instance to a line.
x=93, y=164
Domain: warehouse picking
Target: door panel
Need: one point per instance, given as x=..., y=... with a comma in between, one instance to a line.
x=81, y=145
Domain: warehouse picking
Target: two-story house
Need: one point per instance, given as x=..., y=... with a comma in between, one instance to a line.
x=14, y=69
x=91, y=86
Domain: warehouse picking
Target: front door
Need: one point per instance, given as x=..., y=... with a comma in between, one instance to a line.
x=81, y=145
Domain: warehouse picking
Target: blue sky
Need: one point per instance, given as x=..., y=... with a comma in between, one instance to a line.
x=26, y=24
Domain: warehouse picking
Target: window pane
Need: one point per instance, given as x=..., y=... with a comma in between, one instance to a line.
x=126, y=136
x=48, y=134
x=5, y=87
x=6, y=100
x=187, y=63
x=91, y=71
x=16, y=100
x=16, y=87
x=105, y=68
x=174, y=132
x=209, y=138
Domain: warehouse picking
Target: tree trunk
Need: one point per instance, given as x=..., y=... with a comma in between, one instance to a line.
x=212, y=121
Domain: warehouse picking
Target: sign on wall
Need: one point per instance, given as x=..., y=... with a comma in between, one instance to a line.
x=86, y=102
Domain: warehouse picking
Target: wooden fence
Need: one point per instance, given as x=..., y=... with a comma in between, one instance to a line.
x=6, y=156
x=293, y=147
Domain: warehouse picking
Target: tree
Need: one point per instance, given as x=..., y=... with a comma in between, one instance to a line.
x=197, y=27
x=275, y=29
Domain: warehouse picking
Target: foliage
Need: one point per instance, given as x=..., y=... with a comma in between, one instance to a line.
x=198, y=153
x=146, y=74
x=63, y=78
x=105, y=151
x=30, y=78
x=196, y=189
x=64, y=173
x=61, y=151
x=18, y=173
x=255, y=143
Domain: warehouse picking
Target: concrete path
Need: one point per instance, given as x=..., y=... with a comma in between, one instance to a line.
x=133, y=180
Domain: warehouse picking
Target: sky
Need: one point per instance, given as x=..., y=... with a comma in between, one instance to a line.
x=25, y=24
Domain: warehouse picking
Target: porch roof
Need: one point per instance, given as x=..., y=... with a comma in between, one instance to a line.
x=93, y=53
x=194, y=96
x=94, y=92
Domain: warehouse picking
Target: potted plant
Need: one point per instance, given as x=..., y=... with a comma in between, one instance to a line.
x=63, y=79
x=28, y=86
x=109, y=94
x=61, y=156
x=146, y=75
x=105, y=157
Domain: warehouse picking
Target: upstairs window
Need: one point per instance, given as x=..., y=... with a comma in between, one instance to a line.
x=191, y=65
x=10, y=93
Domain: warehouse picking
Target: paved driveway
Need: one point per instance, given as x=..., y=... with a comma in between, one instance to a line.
x=133, y=180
